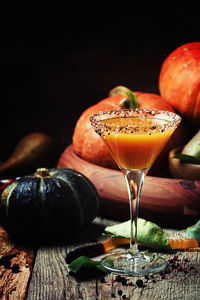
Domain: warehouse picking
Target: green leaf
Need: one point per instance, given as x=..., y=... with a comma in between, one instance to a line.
x=149, y=234
x=193, y=146
x=187, y=158
x=193, y=232
x=84, y=262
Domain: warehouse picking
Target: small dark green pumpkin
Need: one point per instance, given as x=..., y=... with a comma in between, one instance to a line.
x=48, y=205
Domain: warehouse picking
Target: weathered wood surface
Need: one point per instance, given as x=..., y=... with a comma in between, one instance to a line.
x=15, y=268
x=51, y=278
x=159, y=198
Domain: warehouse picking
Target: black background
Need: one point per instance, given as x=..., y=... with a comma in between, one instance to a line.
x=56, y=60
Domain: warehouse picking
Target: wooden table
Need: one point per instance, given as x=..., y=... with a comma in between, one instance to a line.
x=43, y=274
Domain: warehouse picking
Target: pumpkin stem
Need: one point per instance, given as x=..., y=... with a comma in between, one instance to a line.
x=42, y=172
x=130, y=102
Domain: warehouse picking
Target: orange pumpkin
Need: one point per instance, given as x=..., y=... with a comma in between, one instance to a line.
x=179, y=81
x=89, y=146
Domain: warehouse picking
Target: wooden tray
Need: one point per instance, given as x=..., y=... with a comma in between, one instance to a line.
x=169, y=202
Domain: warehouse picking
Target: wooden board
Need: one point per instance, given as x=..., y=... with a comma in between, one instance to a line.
x=15, y=268
x=51, y=278
x=167, y=201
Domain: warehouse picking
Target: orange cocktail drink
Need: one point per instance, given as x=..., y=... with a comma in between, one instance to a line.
x=134, y=138
x=138, y=149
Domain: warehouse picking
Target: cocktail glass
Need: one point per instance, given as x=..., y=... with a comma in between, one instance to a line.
x=134, y=138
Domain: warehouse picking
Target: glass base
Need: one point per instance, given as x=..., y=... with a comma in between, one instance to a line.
x=138, y=264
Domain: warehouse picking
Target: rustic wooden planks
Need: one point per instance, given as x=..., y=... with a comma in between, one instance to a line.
x=15, y=268
x=51, y=278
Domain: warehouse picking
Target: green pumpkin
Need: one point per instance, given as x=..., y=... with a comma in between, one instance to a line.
x=48, y=205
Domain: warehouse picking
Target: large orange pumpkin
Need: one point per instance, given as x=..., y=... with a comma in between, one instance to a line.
x=89, y=146
x=179, y=81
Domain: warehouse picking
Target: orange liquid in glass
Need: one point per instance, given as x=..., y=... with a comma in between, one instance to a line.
x=137, y=150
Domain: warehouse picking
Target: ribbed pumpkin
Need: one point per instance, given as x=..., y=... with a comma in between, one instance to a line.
x=179, y=81
x=48, y=205
x=89, y=146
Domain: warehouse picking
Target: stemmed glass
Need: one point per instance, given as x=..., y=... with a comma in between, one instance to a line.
x=134, y=138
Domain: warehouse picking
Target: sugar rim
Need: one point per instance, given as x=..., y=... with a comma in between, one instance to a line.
x=172, y=119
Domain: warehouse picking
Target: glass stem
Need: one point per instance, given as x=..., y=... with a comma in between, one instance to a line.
x=134, y=180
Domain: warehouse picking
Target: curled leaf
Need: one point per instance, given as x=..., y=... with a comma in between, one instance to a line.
x=193, y=232
x=149, y=234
